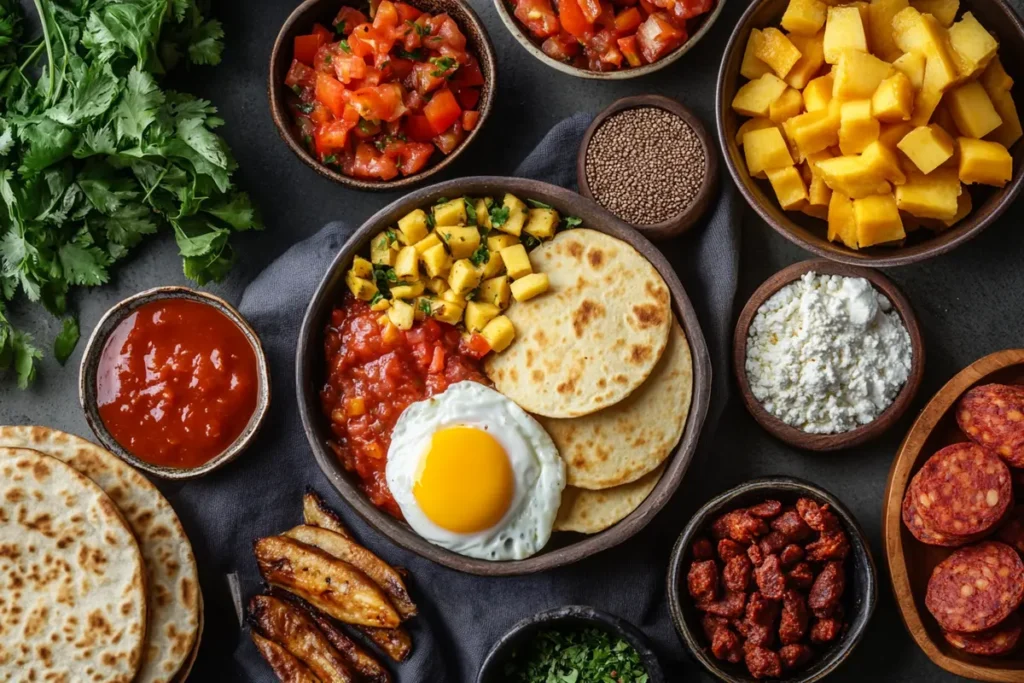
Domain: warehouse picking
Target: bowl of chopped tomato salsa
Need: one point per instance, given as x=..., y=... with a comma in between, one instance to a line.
x=608, y=39
x=381, y=96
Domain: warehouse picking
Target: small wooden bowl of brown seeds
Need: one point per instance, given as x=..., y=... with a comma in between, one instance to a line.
x=648, y=160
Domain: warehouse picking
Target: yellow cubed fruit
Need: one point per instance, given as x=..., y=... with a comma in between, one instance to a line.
x=777, y=51
x=478, y=314
x=751, y=67
x=963, y=207
x=483, y=212
x=878, y=220
x=930, y=196
x=911, y=65
x=818, y=193
x=844, y=30
x=764, y=149
x=883, y=160
x=893, y=101
x=814, y=131
x=412, y=227
x=852, y=176
x=879, y=27
x=858, y=74
x=516, y=215
x=517, y=261
x=437, y=285
x=462, y=241
x=892, y=133
x=804, y=17
x=972, y=110
x=944, y=119
x=362, y=288
x=756, y=123
x=407, y=265
x=916, y=32
x=401, y=315
x=943, y=10
x=447, y=312
x=493, y=266
x=814, y=211
x=813, y=159
x=409, y=291
x=973, y=46
x=981, y=161
x=930, y=94
x=361, y=267
x=754, y=98
x=1009, y=131
x=857, y=127
x=994, y=77
x=452, y=212
x=381, y=253
x=842, y=224
x=927, y=146
x=464, y=276
x=529, y=286
x=789, y=104
x=541, y=223
x=431, y=240
x=789, y=187
x=436, y=261
x=380, y=304
x=818, y=93
x=422, y=307
x=499, y=333
x=812, y=57
x=451, y=296
x=495, y=291
x=498, y=241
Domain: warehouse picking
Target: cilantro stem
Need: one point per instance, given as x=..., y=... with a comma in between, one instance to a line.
x=49, y=47
x=31, y=58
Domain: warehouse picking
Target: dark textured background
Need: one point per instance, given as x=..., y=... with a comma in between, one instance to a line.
x=969, y=302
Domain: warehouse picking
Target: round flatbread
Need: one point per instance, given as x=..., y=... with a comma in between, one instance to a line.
x=71, y=577
x=594, y=337
x=625, y=441
x=591, y=511
x=171, y=573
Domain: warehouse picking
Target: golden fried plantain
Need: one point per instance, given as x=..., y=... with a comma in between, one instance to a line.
x=368, y=668
x=316, y=512
x=396, y=642
x=290, y=627
x=284, y=664
x=329, y=584
x=348, y=550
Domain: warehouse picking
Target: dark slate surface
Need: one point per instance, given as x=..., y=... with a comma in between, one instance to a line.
x=968, y=301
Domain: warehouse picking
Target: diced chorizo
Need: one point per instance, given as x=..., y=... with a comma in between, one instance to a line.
x=763, y=663
x=818, y=517
x=702, y=550
x=770, y=580
x=702, y=580
x=793, y=622
x=792, y=526
x=794, y=657
x=800, y=576
x=828, y=587
x=831, y=545
x=772, y=543
x=766, y=510
x=737, y=573
x=755, y=555
x=726, y=645
x=791, y=554
x=729, y=605
x=761, y=610
x=740, y=526
x=825, y=630
x=711, y=623
x=728, y=549
x=759, y=636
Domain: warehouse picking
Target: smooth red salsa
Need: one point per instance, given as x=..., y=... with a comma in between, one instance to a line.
x=607, y=36
x=374, y=372
x=177, y=383
x=378, y=95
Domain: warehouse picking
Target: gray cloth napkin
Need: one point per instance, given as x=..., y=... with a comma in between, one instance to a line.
x=461, y=616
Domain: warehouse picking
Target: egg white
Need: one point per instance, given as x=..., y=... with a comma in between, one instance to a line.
x=538, y=471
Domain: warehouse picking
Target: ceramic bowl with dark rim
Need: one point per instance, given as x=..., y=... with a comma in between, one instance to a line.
x=87, y=387
x=859, y=598
x=810, y=233
x=301, y=21
x=533, y=46
x=564, y=547
x=828, y=442
x=571, y=617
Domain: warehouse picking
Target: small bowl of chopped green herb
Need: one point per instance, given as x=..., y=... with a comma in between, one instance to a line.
x=574, y=643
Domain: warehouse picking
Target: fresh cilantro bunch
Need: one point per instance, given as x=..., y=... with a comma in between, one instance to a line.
x=94, y=155
x=587, y=655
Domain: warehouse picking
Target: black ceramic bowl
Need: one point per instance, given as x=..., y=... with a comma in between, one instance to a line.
x=858, y=599
x=571, y=617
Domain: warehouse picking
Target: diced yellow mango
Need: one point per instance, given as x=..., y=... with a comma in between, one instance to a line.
x=437, y=285
x=407, y=265
x=1010, y=130
x=893, y=101
x=464, y=276
x=498, y=241
x=516, y=215
x=995, y=78
x=813, y=159
x=452, y=212
x=927, y=146
x=844, y=30
x=818, y=193
x=884, y=161
x=943, y=10
x=401, y=315
x=804, y=17
x=777, y=51
x=362, y=288
x=816, y=130
x=972, y=110
x=495, y=290
x=478, y=314
x=451, y=296
x=818, y=93
x=462, y=241
x=483, y=212
x=789, y=187
x=751, y=67
x=981, y=161
x=789, y=104
x=973, y=46
x=756, y=123
x=911, y=65
x=929, y=96
x=447, y=312
x=381, y=253
x=499, y=333
x=409, y=291
x=765, y=149
x=878, y=220
x=857, y=75
x=517, y=261
x=930, y=196
x=852, y=176
x=754, y=98
x=541, y=223
x=812, y=57
x=529, y=286
x=879, y=27
x=842, y=224
x=436, y=261
x=963, y=207
x=916, y=32
x=493, y=266
x=865, y=15
x=944, y=119
x=857, y=127
x=431, y=240
x=413, y=226
x=381, y=304
x=892, y=133
x=815, y=210
x=361, y=267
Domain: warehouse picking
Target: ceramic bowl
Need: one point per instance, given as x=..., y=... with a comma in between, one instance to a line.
x=861, y=579
x=90, y=367
x=301, y=21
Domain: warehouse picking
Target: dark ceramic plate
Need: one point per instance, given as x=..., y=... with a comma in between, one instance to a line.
x=563, y=548
x=861, y=580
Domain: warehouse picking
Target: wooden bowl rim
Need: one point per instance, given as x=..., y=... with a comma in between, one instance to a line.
x=94, y=350
x=697, y=208
x=622, y=74
x=903, y=464
x=874, y=257
x=476, y=32
x=595, y=218
x=828, y=442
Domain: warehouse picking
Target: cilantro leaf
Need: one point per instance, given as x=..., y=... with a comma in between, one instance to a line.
x=206, y=46
x=25, y=357
x=65, y=341
x=538, y=205
x=499, y=216
x=481, y=256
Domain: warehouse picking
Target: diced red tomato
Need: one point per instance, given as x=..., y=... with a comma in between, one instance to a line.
x=386, y=17
x=442, y=111
x=325, y=33
x=606, y=19
x=573, y=21
x=419, y=128
x=538, y=17
x=630, y=50
x=306, y=47
x=414, y=102
x=348, y=18
x=450, y=34
x=450, y=139
x=437, y=362
x=475, y=346
x=367, y=41
x=331, y=137
x=331, y=92
x=422, y=78
x=366, y=130
x=687, y=9
x=349, y=68
x=591, y=9
x=469, y=97
x=300, y=75
x=468, y=75
x=414, y=157
x=628, y=20
x=658, y=36
x=367, y=163
x=401, y=68
x=407, y=12
x=648, y=7
x=562, y=47
x=470, y=119
x=320, y=113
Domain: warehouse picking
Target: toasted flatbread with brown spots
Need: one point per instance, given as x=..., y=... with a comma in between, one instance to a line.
x=594, y=337
x=71, y=577
x=171, y=575
x=588, y=512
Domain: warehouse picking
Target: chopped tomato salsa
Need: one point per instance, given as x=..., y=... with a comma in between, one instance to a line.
x=378, y=96
x=374, y=372
x=600, y=35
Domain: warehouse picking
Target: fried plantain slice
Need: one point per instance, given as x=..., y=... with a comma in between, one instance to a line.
x=329, y=584
x=362, y=662
x=383, y=574
x=284, y=664
x=395, y=642
x=290, y=627
x=316, y=512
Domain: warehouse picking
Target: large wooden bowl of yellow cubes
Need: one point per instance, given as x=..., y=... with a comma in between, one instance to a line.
x=878, y=132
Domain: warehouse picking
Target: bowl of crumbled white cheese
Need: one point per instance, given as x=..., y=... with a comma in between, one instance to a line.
x=828, y=355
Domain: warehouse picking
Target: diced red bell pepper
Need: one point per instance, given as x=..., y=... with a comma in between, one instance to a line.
x=468, y=98
x=628, y=20
x=538, y=17
x=573, y=21
x=658, y=36
x=407, y=12
x=419, y=129
x=562, y=47
x=300, y=75
x=470, y=119
x=332, y=93
x=442, y=111
x=475, y=346
x=347, y=20
x=630, y=50
x=307, y=46
x=414, y=157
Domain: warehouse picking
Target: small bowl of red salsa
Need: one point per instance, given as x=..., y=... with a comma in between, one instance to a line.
x=381, y=96
x=608, y=39
x=175, y=382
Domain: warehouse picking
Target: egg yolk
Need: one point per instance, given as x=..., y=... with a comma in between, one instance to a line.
x=465, y=482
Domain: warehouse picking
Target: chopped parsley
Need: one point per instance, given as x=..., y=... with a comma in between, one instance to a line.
x=470, y=211
x=392, y=237
x=344, y=46
x=421, y=29
x=481, y=256
x=529, y=241
x=499, y=216
x=446, y=67
x=297, y=89
x=441, y=200
x=366, y=127
x=330, y=159
x=430, y=219
x=471, y=294
x=424, y=306
x=416, y=55
x=384, y=277
x=569, y=222
x=305, y=108
x=328, y=59
x=537, y=205
x=376, y=297
x=587, y=655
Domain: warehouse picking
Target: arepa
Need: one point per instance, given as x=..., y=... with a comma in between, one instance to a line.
x=588, y=512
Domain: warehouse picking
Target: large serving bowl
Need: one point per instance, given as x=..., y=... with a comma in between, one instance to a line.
x=564, y=548
x=989, y=203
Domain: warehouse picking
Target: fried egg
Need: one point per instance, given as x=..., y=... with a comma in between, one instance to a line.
x=474, y=473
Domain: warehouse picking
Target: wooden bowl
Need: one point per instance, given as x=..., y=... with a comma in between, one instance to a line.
x=532, y=46
x=692, y=213
x=301, y=21
x=910, y=561
x=861, y=578
x=564, y=547
x=571, y=617
x=90, y=367
x=828, y=442
x=989, y=203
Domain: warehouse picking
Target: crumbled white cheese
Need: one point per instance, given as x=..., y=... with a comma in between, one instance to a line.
x=827, y=354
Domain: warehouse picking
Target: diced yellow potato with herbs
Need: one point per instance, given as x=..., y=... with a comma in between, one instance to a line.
x=858, y=74
x=789, y=104
x=407, y=267
x=381, y=253
x=916, y=32
x=495, y=290
x=972, y=109
x=857, y=127
x=883, y=160
x=516, y=260
x=893, y=101
x=878, y=220
x=464, y=276
x=452, y=212
x=409, y=291
x=804, y=17
x=995, y=78
x=493, y=266
x=436, y=261
x=943, y=10
x=541, y=223
x=844, y=30
x=1010, y=130
x=757, y=123
x=842, y=224
x=812, y=57
x=818, y=93
x=852, y=176
x=765, y=149
x=981, y=161
x=930, y=196
x=513, y=225
x=431, y=240
x=963, y=207
x=401, y=314
x=814, y=131
x=446, y=312
x=751, y=67
x=928, y=147
x=973, y=46
x=498, y=241
x=362, y=288
x=361, y=267
x=777, y=51
x=499, y=333
x=529, y=286
x=755, y=97
x=789, y=188
x=483, y=212
x=413, y=226
x=462, y=241
x=437, y=285
x=451, y=296
x=911, y=65
x=879, y=27
x=478, y=314
x=381, y=304
x=421, y=307
x=818, y=193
